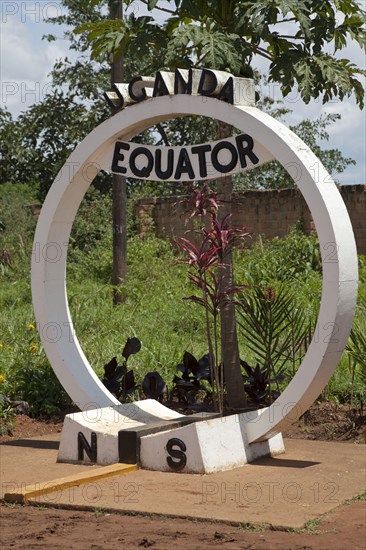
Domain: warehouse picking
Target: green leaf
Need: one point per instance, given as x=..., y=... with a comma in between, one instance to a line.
x=151, y=4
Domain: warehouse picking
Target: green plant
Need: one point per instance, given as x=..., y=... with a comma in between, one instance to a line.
x=274, y=327
x=153, y=386
x=310, y=527
x=346, y=387
x=158, y=303
x=16, y=245
x=38, y=386
x=7, y=414
x=356, y=348
x=253, y=527
x=99, y=512
x=93, y=224
x=225, y=35
x=359, y=496
x=290, y=259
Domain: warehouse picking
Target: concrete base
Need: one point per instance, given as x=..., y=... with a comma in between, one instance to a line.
x=212, y=445
x=156, y=438
x=91, y=436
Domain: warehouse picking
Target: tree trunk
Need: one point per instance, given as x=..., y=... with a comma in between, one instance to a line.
x=119, y=192
x=236, y=397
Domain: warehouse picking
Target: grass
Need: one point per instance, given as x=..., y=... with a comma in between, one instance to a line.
x=252, y=527
x=360, y=497
x=154, y=310
x=310, y=527
x=154, y=299
x=99, y=512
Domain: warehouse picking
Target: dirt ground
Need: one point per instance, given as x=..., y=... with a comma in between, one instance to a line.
x=25, y=427
x=30, y=527
x=40, y=527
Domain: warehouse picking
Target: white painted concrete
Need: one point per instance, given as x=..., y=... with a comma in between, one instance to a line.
x=212, y=446
x=106, y=422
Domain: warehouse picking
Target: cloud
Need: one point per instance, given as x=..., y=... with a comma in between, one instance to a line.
x=26, y=61
x=19, y=59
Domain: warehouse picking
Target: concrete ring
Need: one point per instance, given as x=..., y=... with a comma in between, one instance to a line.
x=338, y=249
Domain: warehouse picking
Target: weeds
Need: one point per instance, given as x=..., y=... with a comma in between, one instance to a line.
x=360, y=497
x=99, y=512
x=310, y=527
x=253, y=527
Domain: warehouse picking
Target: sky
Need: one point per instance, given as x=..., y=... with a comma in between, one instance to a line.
x=26, y=60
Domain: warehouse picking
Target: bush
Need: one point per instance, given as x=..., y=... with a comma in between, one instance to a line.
x=7, y=414
x=17, y=225
x=27, y=374
x=93, y=223
x=290, y=259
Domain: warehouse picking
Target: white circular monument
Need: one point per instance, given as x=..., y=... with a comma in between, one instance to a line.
x=107, y=148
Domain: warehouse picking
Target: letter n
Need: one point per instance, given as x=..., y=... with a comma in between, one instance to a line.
x=83, y=445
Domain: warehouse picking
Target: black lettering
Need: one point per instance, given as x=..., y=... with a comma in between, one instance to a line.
x=224, y=168
x=111, y=103
x=176, y=453
x=201, y=151
x=118, y=156
x=146, y=170
x=208, y=82
x=180, y=85
x=83, y=445
x=128, y=446
x=132, y=94
x=184, y=165
x=160, y=88
x=227, y=91
x=164, y=175
x=246, y=151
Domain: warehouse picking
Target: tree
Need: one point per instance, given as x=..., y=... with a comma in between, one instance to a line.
x=226, y=35
x=90, y=12
x=87, y=11
x=36, y=145
x=119, y=190
x=313, y=132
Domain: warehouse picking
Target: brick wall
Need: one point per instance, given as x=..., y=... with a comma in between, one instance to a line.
x=270, y=213
x=354, y=197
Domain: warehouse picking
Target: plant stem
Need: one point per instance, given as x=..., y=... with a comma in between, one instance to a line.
x=219, y=381
x=210, y=348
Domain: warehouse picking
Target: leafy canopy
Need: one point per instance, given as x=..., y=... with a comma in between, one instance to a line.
x=36, y=145
x=298, y=38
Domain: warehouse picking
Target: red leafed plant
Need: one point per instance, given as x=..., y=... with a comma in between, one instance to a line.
x=207, y=273
x=201, y=200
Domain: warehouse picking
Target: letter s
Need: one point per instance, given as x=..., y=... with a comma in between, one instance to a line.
x=176, y=453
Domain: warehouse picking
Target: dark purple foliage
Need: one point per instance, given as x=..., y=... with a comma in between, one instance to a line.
x=117, y=379
x=153, y=385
